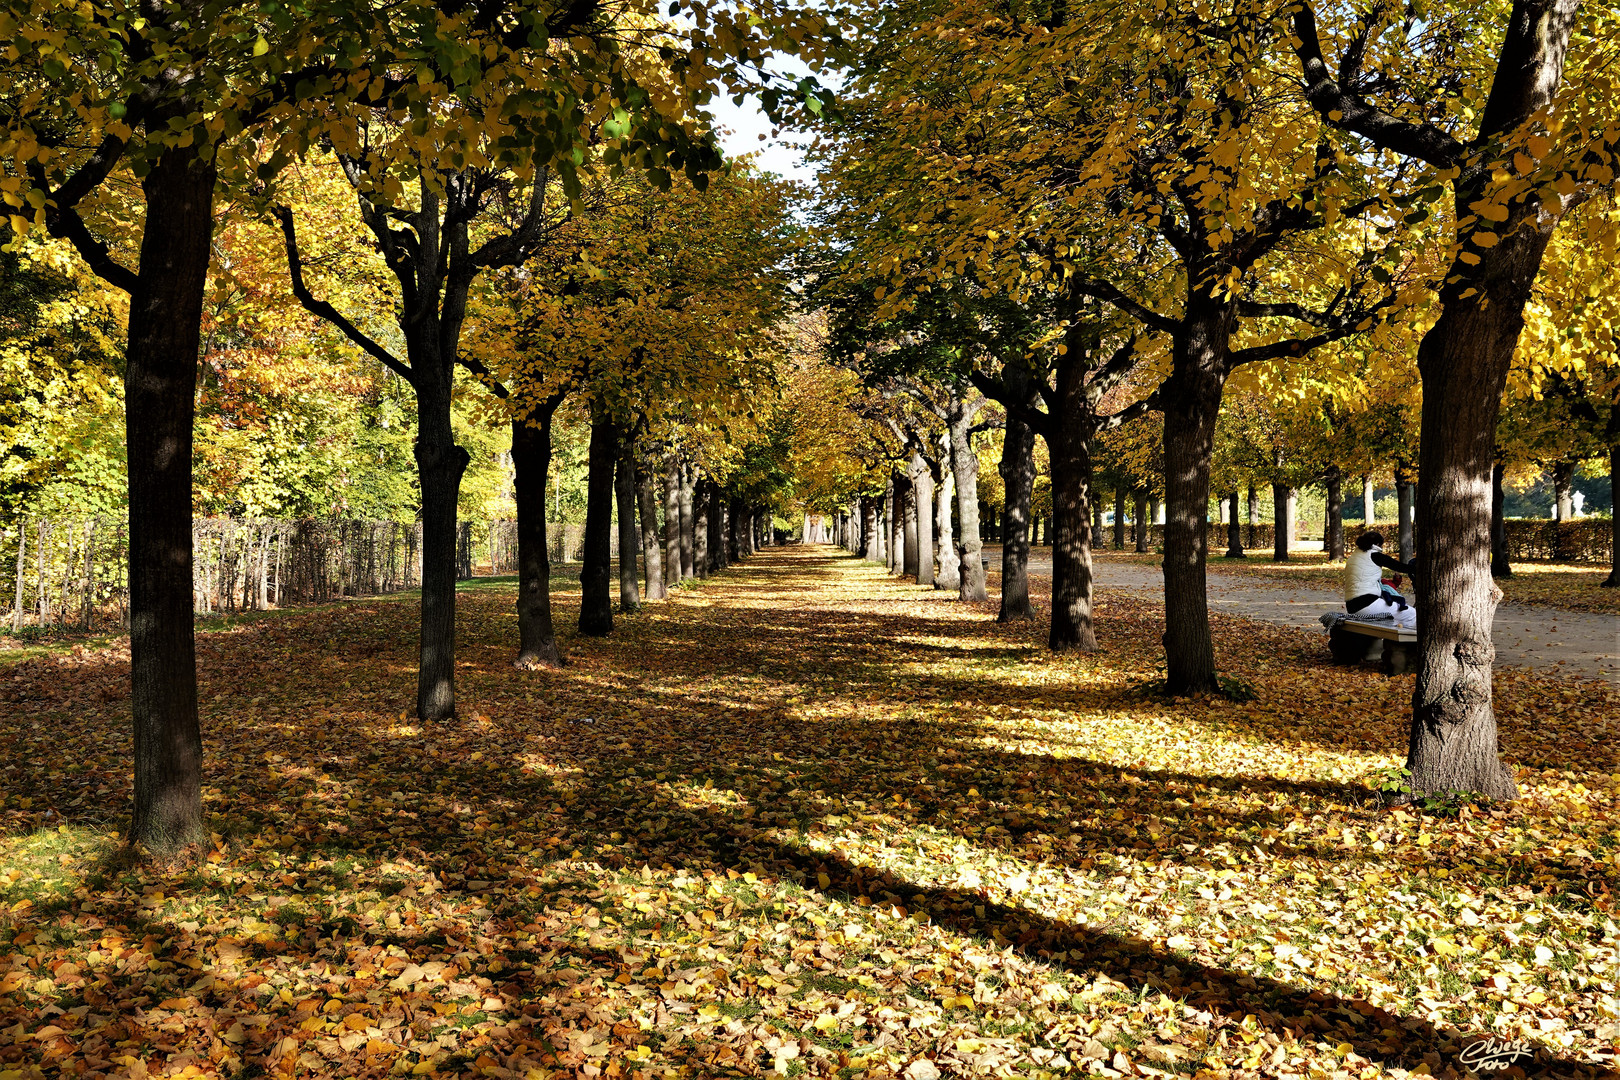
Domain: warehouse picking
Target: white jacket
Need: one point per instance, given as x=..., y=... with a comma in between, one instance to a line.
x=1361, y=574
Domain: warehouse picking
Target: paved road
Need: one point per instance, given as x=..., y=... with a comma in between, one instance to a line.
x=1578, y=642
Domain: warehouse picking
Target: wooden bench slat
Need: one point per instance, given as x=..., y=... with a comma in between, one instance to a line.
x=1387, y=631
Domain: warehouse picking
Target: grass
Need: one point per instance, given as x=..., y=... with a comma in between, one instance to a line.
x=822, y=820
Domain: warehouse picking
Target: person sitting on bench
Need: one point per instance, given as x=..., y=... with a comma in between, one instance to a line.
x=1364, y=593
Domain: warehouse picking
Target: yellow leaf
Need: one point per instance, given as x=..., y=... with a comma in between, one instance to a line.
x=825, y=1022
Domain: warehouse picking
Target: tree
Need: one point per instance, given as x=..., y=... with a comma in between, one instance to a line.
x=1038, y=150
x=154, y=96
x=656, y=315
x=1074, y=372
x=1515, y=162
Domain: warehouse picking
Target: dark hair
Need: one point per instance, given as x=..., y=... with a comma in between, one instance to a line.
x=1369, y=540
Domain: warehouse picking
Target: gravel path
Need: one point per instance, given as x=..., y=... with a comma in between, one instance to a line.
x=1580, y=643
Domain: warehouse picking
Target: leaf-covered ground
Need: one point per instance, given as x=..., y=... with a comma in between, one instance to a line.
x=803, y=818
x=1570, y=586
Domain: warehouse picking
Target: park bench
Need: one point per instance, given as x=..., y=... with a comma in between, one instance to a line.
x=1352, y=641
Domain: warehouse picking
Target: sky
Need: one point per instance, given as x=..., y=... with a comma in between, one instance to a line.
x=745, y=124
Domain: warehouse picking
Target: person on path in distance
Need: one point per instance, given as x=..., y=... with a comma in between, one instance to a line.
x=1365, y=595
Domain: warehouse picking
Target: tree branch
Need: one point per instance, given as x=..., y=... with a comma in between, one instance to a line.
x=1422, y=141
x=324, y=310
x=1133, y=411
x=1106, y=292
x=485, y=376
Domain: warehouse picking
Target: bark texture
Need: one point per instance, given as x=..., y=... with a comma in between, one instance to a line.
x=1192, y=400
x=595, y=578
x=1069, y=444
x=165, y=319
x=672, y=523
x=700, y=528
x=1405, y=514
x=922, y=485
x=652, y=553
x=531, y=465
x=965, y=468
x=1563, y=483
x=1501, y=566
x=1333, y=480
x=1279, y=523
x=1613, y=580
x=688, y=533
x=624, y=489
x=1234, y=529
x=949, y=577
x=1017, y=470
x=909, y=565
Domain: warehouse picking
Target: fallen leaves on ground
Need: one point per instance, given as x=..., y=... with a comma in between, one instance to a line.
x=803, y=819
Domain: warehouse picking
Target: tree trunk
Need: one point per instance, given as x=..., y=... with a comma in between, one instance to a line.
x=440, y=464
x=1333, y=536
x=22, y=552
x=596, y=574
x=737, y=525
x=1369, y=509
x=910, y=565
x=1464, y=360
x=1404, y=499
x=1254, y=515
x=965, y=468
x=1563, y=480
x=700, y=527
x=717, y=528
x=624, y=485
x=1017, y=470
x=1068, y=439
x=1119, y=517
x=1190, y=412
x=1279, y=522
x=165, y=319
x=688, y=523
x=922, y=488
x=1234, y=529
x=1501, y=567
x=652, y=553
x=531, y=465
x=1139, y=521
x=893, y=527
x=1613, y=580
x=672, y=523
x=949, y=577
